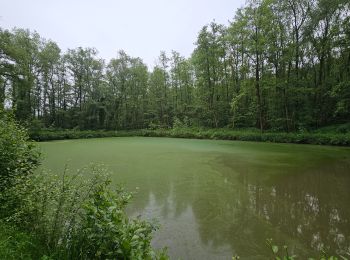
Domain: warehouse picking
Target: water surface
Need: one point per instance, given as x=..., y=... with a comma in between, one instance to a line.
x=214, y=199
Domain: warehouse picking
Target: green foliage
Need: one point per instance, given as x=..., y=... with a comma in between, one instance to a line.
x=15, y=244
x=107, y=233
x=181, y=131
x=57, y=134
x=75, y=217
x=279, y=254
x=179, y=124
x=18, y=156
x=335, y=129
x=275, y=251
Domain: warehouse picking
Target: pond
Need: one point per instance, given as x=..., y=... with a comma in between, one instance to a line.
x=215, y=199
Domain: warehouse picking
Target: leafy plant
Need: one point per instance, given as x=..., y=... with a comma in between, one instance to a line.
x=77, y=217
x=107, y=233
x=275, y=251
x=18, y=156
x=284, y=254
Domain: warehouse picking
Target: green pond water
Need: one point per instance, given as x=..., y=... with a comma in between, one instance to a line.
x=214, y=199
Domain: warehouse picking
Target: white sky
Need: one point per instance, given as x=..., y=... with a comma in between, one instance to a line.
x=142, y=28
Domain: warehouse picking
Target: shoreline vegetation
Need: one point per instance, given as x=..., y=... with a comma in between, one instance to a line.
x=69, y=215
x=338, y=136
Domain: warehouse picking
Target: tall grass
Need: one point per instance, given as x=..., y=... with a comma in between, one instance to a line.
x=16, y=244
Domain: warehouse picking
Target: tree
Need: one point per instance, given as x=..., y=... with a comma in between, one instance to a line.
x=281, y=65
x=127, y=81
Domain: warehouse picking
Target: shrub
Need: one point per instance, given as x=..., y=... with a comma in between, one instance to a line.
x=178, y=123
x=18, y=156
x=75, y=217
x=107, y=233
x=331, y=138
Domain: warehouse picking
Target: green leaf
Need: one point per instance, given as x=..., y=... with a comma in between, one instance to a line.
x=274, y=249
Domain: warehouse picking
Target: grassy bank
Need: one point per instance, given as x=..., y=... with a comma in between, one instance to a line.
x=320, y=137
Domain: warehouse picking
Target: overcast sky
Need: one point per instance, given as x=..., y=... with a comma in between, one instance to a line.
x=140, y=27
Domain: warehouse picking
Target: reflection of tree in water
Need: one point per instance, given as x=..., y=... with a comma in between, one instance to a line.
x=303, y=209
x=310, y=207
x=169, y=192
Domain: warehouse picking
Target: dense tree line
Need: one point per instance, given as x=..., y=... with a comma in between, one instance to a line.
x=282, y=65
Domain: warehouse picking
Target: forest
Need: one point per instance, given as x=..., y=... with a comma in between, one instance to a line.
x=278, y=65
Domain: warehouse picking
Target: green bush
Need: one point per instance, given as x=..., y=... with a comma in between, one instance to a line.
x=322, y=138
x=107, y=233
x=18, y=156
x=75, y=217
